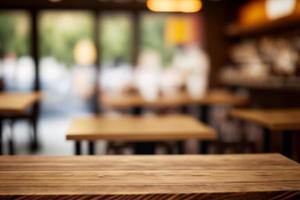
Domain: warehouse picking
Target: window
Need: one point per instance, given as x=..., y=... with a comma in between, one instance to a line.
x=116, y=38
x=16, y=66
x=163, y=33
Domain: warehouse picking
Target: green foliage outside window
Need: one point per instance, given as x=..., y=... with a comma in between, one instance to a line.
x=152, y=36
x=60, y=31
x=14, y=34
x=116, y=38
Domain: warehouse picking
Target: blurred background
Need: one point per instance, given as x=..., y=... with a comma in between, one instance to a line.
x=77, y=52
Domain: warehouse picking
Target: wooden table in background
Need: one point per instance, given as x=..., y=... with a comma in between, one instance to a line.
x=257, y=176
x=15, y=105
x=273, y=120
x=138, y=129
x=214, y=97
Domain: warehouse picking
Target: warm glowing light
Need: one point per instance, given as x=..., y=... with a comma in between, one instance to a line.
x=186, y=6
x=253, y=13
x=179, y=30
x=85, y=52
x=55, y=1
x=279, y=8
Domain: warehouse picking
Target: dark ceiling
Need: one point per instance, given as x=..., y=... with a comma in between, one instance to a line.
x=87, y=4
x=73, y=4
x=210, y=6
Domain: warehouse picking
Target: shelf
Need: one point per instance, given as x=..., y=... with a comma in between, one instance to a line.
x=269, y=83
x=280, y=25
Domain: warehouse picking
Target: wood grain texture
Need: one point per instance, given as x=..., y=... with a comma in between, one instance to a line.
x=261, y=176
x=213, y=97
x=230, y=196
x=131, y=163
x=273, y=119
x=149, y=128
x=17, y=103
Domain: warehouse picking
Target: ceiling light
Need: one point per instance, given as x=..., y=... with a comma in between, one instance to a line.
x=279, y=8
x=55, y=1
x=186, y=6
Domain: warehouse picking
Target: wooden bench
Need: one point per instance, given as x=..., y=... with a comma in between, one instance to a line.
x=274, y=121
x=260, y=177
x=15, y=105
x=138, y=129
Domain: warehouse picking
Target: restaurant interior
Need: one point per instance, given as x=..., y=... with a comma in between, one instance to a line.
x=149, y=99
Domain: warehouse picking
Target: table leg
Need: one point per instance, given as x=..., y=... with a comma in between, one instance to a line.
x=266, y=140
x=91, y=145
x=144, y=148
x=180, y=147
x=298, y=146
x=34, y=121
x=11, y=139
x=77, y=148
x=1, y=131
x=203, y=147
x=184, y=109
x=287, y=142
x=137, y=110
x=204, y=117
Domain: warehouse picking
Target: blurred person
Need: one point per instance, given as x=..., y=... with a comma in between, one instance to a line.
x=171, y=81
x=83, y=87
x=147, y=75
x=116, y=78
x=194, y=64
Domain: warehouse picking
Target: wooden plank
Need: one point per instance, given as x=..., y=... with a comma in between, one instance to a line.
x=149, y=128
x=131, y=163
x=213, y=97
x=148, y=177
x=17, y=103
x=209, y=196
x=273, y=119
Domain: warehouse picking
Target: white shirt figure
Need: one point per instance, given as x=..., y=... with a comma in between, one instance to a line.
x=147, y=75
x=116, y=79
x=194, y=64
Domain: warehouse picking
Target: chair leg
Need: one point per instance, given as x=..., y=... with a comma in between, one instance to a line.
x=204, y=118
x=34, y=142
x=91, y=145
x=287, y=142
x=267, y=141
x=11, y=139
x=180, y=147
x=77, y=148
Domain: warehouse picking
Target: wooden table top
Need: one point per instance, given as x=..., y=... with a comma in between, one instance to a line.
x=256, y=176
x=148, y=128
x=213, y=97
x=13, y=102
x=273, y=119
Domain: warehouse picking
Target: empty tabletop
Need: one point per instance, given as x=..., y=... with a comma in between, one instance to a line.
x=148, y=128
x=11, y=102
x=213, y=97
x=257, y=176
x=273, y=119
